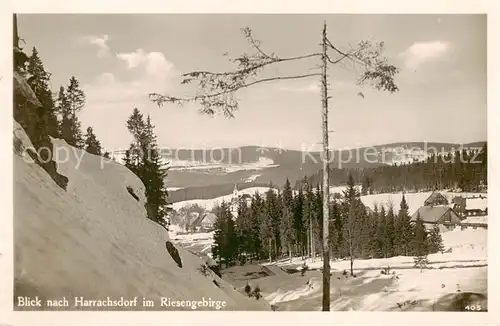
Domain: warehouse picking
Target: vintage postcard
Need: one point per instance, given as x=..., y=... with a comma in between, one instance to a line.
x=280, y=162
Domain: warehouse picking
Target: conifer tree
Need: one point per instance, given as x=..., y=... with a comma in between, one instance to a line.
x=244, y=230
x=352, y=212
x=143, y=158
x=380, y=251
x=435, y=241
x=390, y=232
x=257, y=209
x=404, y=230
x=92, y=144
x=154, y=174
x=419, y=244
x=224, y=248
x=298, y=221
x=287, y=221
x=70, y=102
x=39, y=81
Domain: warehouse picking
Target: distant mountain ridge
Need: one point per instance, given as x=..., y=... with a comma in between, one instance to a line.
x=262, y=165
x=208, y=173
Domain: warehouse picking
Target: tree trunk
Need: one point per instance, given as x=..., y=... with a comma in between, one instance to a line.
x=270, y=261
x=290, y=251
x=326, y=192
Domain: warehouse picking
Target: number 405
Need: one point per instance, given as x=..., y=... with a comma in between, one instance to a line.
x=473, y=307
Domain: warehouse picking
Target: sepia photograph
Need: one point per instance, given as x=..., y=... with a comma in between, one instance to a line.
x=250, y=162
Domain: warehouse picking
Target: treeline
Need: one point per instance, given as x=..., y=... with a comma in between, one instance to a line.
x=57, y=116
x=467, y=170
x=43, y=116
x=286, y=224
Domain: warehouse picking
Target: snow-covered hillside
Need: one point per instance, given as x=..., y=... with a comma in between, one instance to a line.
x=94, y=240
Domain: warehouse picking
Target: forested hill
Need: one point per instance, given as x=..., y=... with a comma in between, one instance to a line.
x=466, y=170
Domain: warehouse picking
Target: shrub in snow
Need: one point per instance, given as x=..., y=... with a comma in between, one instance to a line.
x=304, y=269
x=204, y=270
x=386, y=270
x=248, y=290
x=420, y=262
x=256, y=293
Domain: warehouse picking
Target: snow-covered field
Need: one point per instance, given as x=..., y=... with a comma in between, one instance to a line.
x=468, y=248
x=463, y=269
x=94, y=239
x=196, y=242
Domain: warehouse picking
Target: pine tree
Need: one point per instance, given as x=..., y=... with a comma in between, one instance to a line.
x=70, y=102
x=435, y=240
x=419, y=242
x=390, y=232
x=380, y=251
x=39, y=82
x=298, y=222
x=404, y=230
x=134, y=155
x=287, y=222
x=257, y=209
x=244, y=230
x=352, y=212
x=154, y=173
x=144, y=159
x=92, y=144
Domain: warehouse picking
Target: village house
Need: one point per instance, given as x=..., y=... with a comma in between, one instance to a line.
x=204, y=222
x=440, y=215
x=436, y=199
x=208, y=221
x=471, y=206
x=236, y=199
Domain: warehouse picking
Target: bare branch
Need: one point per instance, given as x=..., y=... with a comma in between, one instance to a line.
x=377, y=71
x=217, y=88
x=224, y=99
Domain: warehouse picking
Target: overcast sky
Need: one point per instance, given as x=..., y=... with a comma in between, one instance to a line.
x=119, y=59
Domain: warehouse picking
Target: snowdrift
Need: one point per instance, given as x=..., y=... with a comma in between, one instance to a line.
x=94, y=240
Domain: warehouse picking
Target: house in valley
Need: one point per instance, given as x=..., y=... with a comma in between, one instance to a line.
x=470, y=206
x=204, y=222
x=208, y=221
x=436, y=199
x=236, y=199
x=440, y=215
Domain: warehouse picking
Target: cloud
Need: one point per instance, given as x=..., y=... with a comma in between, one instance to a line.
x=154, y=63
x=101, y=42
x=420, y=53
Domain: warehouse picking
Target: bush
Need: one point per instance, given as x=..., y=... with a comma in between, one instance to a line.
x=304, y=269
x=420, y=262
x=248, y=290
x=256, y=293
x=204, y=270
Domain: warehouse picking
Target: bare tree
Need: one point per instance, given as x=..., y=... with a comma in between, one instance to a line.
x=216, y=93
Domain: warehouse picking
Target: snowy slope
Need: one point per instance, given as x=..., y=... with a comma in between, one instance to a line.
x=94, y=239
